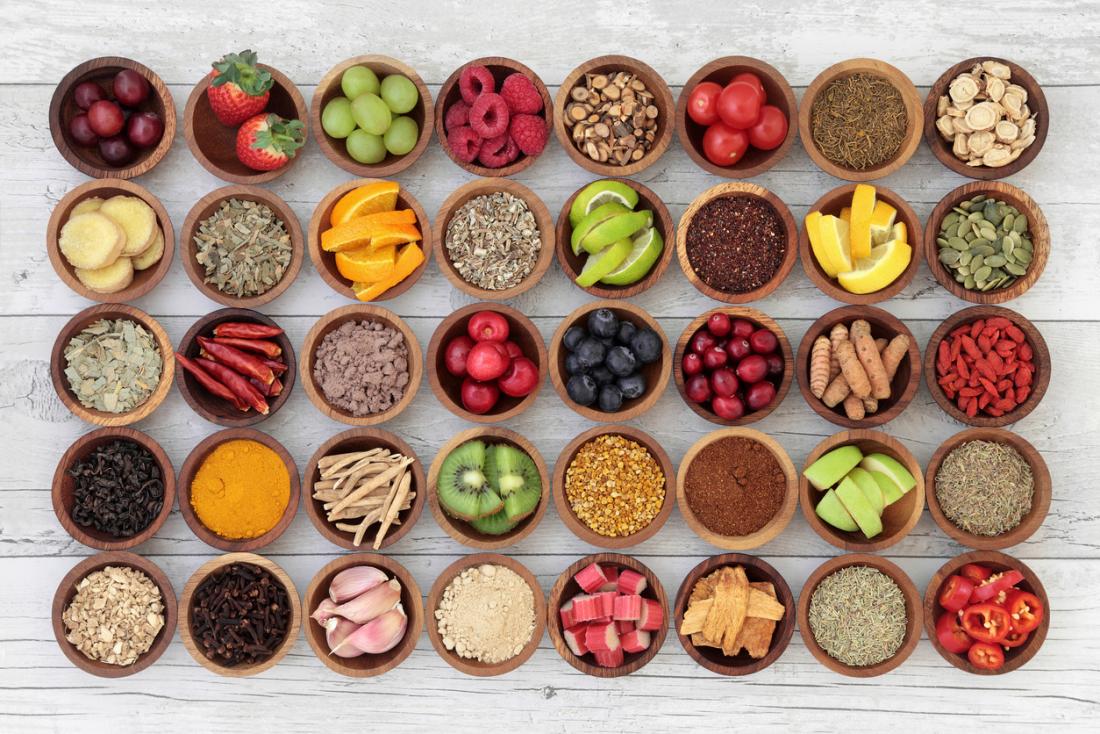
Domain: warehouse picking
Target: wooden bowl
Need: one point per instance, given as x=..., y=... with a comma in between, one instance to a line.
x=656, y=373
x=712, y=658
x=212, y=408
x=902, y=388
x=363, y=439
x=212, y=565
x=832, y=203
x=335, y=150
x=760, y=319
x=575, y=524
x=144, y=280
x=774, y=527
x=366, y=665
x=448, y=389
x=501, y=68
x=722, y=71
x=463, y=531
x=1040, y=503
x=64, y=486
x=191, y=467
x=112, y=312
x=480, y=187
x=566, y=588
x=470, y=666
x=737, y=189
x=214, y=144
x=898, y=518
x=662, y=99
x=1037, y=226
x=1041, y=359
x=1036, y=100
x=1014, y=657
x=63, y=109
x=66, y=590
x=330, y=322
x=913, y=609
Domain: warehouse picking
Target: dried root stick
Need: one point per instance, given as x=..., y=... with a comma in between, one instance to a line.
x=853, y=370
x=820, y=357
x=893, y=354
x=838, y=334
x=860, y=335
x=853, y=408
x=836, y=391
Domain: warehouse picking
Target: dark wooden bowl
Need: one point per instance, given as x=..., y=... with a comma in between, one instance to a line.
x=566, y=588
x=330, y=322
x=112, y=312
x=1040, y=503
x=662, y=99
x=722, y=71
x=737, y=189
x=902, y=388
x=191, y=467
x=363, y=439
x=66, y=590
x=1041, y=359
x=1036, y=100
x=334, y=149
x=239, y=671
x=214, y=144
x=63, y=109
x=144, y=280
x=1015, y=657
x=501, y=68
x=760, y=319
x=366, y=665
x=1037, y=227
x=712, y=658
x=470, y=666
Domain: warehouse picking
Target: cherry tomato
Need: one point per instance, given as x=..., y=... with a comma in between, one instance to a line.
x=976, y=572
x=724, y=146
x=749, y=78
x=955, y=593
x=985, y=656
x=739, y=105
x=703, y=103
x=989, y=589
x=770, y=130
x=1025, y=609
x=986, y=622
x=951, y=634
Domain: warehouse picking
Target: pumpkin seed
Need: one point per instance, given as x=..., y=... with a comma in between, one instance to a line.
x=995, y=261
x=969, y=283
x=1020, y=225
x=1008, y=221
x=1015, y=269
x=983, y=273
x=976, y=262
x=949, y=257
x=1023, y=256
x=964, y=257
x=985, y=242
x=958, y=243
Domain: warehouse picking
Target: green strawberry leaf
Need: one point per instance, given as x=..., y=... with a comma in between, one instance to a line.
x=241, y=69
x=280, y=136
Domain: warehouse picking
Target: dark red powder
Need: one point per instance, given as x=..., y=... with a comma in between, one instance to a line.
x=734, y=486
x=735, y=244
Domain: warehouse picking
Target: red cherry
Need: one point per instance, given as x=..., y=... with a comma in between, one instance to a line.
x=693, y=364
x=763, y=341
x=724, y=382
x=714, y=358
x=455, y=354
x=729, y=409
x=521, y=378
x=697, y=389
x=702, y=341
x=752, y=368
x=743, y=328
x=775, y=364
x=487, y=361
x=719, y=324
x=487, y=326
x=760, y=395
x=479, y=397
x=738, y=348
x=513, y=349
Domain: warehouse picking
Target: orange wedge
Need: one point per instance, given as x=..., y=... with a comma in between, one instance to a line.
x=367, y=264
x=361, y=230
x=408, y=259
x=371, y=198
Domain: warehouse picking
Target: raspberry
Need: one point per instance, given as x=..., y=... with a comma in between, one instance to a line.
x=529, y=132
x=521, y=95
x=498, y=152
x=489, y=115
x=457, y=115
x=475, y=81
x=464, y=143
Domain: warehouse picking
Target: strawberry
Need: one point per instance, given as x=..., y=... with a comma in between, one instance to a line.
x=266, y=142
x=238, y=88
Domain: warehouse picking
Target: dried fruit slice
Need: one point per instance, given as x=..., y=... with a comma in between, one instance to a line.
x=367, y=264
x=152, y=254
x=109, y=279
x=137, y=219
x=371, y=198
x=91, y=241
x=361, y=230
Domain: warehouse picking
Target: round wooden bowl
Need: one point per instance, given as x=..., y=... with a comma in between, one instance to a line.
x=656, y=373
x=898, y=518
x=1040, y=503
x=470, y=666
x=1037, y=227
x=737, y=189
x=566, y=587
x=63, y=109
x=1041, y=359
x=335, y=150
x=941, y=148
x=774, y=527
x=363, y=439
x=662, y=99
x=712, y=658
x=238, y=671
x=501, y=68
x=66, y=590
x=191, y=467
x=721, y=71
x=461, y=530
x=366, y=665
x=330, y=322
x=760, y=319
x=1015, y=657
x=144, y=280
x=214, y=144
x=575, y=524
x=111, y=312
x=902, y=388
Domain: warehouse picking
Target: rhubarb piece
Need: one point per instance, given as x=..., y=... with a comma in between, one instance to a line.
x=635, y=641
x=652, y=616
x=622, y=626
x=601, y=636
x=612, y=574
x=574, y=639
x=631, y=582
x=628, y=607
x=585, y=608
x=607, y=603
x=609, y=658
x=568, y=617
x=590, y=578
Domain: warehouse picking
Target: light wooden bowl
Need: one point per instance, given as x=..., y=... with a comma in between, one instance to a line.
x=63, y=109
x=470, y=666
x=330, y=322
x=144, y=280
x=66, y=590
x=239, y=671
x=112, y=312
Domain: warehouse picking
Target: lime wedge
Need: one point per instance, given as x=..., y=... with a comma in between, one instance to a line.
x=599, y=193
x=644, y=253
x=603, y=262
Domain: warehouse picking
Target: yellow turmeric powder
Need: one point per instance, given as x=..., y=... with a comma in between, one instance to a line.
x=241, y=490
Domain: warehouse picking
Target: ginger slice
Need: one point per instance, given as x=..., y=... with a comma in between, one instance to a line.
x=108, y=279
x=152, y=254
x=91, y=241
x=137, y=219
x=91, y=204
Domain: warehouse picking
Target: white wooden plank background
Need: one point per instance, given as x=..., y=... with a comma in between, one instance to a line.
x=42, y=41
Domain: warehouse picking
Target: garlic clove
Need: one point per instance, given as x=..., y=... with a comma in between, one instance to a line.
x=337, y=631
x=381, y=634
x=372, y=603
x=324, y=611
x=351, y=582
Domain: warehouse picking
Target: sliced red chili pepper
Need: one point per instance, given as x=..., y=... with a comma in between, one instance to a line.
x=1025, y=609
x=975, y=572
x=955, y=593
x=1015, y=639
x=951, y=634
x=260, y=346
x=246, y=330
x=986, y=622
x=210, y=383
x=984, y=656
x=995, y=584
x=247, y=364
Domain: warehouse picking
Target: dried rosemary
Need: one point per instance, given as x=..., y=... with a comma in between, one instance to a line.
x=985, y=487
x=244, y=247
x=859, y=121
x=857, y=615
x=493, y=241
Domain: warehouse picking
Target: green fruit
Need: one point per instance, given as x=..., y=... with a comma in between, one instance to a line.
x=603, y=262
x=892, y=468
x=402, y=135
x=645, y=251
x=595, y=195
x=462, y=487
x=336, y=118
x=869, y=487
x=833, y=466
x=858, y=506
x=495, y=524
x=596, y=217
x=365, y=148
x=371, y=113
x=831, y=510
x=517, y=481
x=614, y=229
x=399, y=93
x=890, y=491
x=358, y=80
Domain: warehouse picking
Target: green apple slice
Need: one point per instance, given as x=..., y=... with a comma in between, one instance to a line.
x=869, y=486
x=614, y=229
x=603, y=262
x=892, y=468
x=833, y=466
x=645, y=251
x=859, y=507
x=597, y=217
x=831, y=510
x=596, y=194
x=890, y=491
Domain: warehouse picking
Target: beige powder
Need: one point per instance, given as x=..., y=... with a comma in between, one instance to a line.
x=487, y=614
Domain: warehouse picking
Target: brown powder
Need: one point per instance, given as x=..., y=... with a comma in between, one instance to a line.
x=734, y=486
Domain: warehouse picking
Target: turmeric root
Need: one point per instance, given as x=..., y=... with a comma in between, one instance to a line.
x=893, y=354
x=836, y=391
x=880, y=344
x=820, y=356
x=838, y=334
x=864, y=343
x=853, y=370
x=853, y=408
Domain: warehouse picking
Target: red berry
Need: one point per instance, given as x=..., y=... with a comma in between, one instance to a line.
x=739, y=105
x=714, y=358
x=724, y=382
x=521, y=95
x=752, y=368
x=487, y=361
x=775, y=364
x=697, y=388
x=763, y=341
x=489, y=116
x=754, y=81
x=81, y=131
x=106, y=118
x=497, y=152
x=719, y=324
x=130, y=88
x=479, y=397
x=743, y=328
x=116, y=150
x=693, y=364
x=738, y=348
x=729, y=409
x=464, y=143
x=703, y=103
x=529, y=133
x=521, y=378
x=702, y=341
x=455, y=354
x=487, y=326
x=87, y=93
x=474, y=81
x=760, y=395
x=458, y=114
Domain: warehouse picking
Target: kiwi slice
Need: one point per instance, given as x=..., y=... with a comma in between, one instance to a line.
x=495, y=524
x=462, y=488
x=517, y=481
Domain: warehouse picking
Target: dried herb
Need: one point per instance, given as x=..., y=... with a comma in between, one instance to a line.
x=115, y=616
x=240, y=614
x=985, y=487
x=493, y=241
x=857, y=616
x=118, y=489
x=244, y=247
x=859, y=121
x=113, y=366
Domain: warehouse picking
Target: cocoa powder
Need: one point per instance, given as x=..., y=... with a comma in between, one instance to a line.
x=734, y=486
x=362, y=367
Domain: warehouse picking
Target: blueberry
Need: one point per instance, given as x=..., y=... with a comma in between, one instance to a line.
x=602, y=323
x=611, y=398
x=573, y=365
x=626, y=331
x=590, y=352
x=632, y=386
x=608, y=343
x=646, y=346
x=582, y=389
x=621, y=361
x=572, y=338
x=602, y=376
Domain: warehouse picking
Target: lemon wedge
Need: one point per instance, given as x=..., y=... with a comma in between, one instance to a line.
x=813, y=232
x=898, y=233
x=882, y=221
x=885, y=264
x=863, y=208
x=834, y=244
x=846, y=214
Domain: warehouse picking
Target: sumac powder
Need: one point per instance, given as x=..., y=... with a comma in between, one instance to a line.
x=735, y=244
x=734, y=486
x=239, y=615
x=118, y=489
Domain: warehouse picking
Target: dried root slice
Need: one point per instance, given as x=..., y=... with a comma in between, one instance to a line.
x=91, y=204
x=109, y=279
x=152, y=254
x=137, y=219
x=91, y=241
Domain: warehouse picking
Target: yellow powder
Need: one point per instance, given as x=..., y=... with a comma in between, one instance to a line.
x=241, y=490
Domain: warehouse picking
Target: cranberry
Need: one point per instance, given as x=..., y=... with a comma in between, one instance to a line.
x=487, y=361
x=702, y=341
x=87, y=93
x=693, y=364
x=743, y=328
x=487, y=326
x=760, y=395
x=513, y=349
x=479, y=397
x=775, y=364
x=455, y=354
x=729, y=409
x=752, y=368
x=697, y=389
x=738, y=348
x=763, y=341
x=718, y=324
x=724, y=382
x=714, y=358
x=82, y=132
x=521, y=378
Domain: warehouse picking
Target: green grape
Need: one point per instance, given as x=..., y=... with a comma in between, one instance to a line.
x=402, y=135
x=399, y=93
x=371, y=113
x=336, y=118
x=358, y=80
x=366, y=148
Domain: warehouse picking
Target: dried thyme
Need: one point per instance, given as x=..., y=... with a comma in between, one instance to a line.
x=113, y=366
x=984, y=487
x=857, y=615
x=493, y=241
x=244, y=247
x=859, y=121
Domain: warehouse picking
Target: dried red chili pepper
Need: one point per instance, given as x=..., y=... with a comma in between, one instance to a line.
x=247, y=364
x=246, y=330
x=260, y=346
x=235, y=382
x=276, y=366
x=211, y=384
